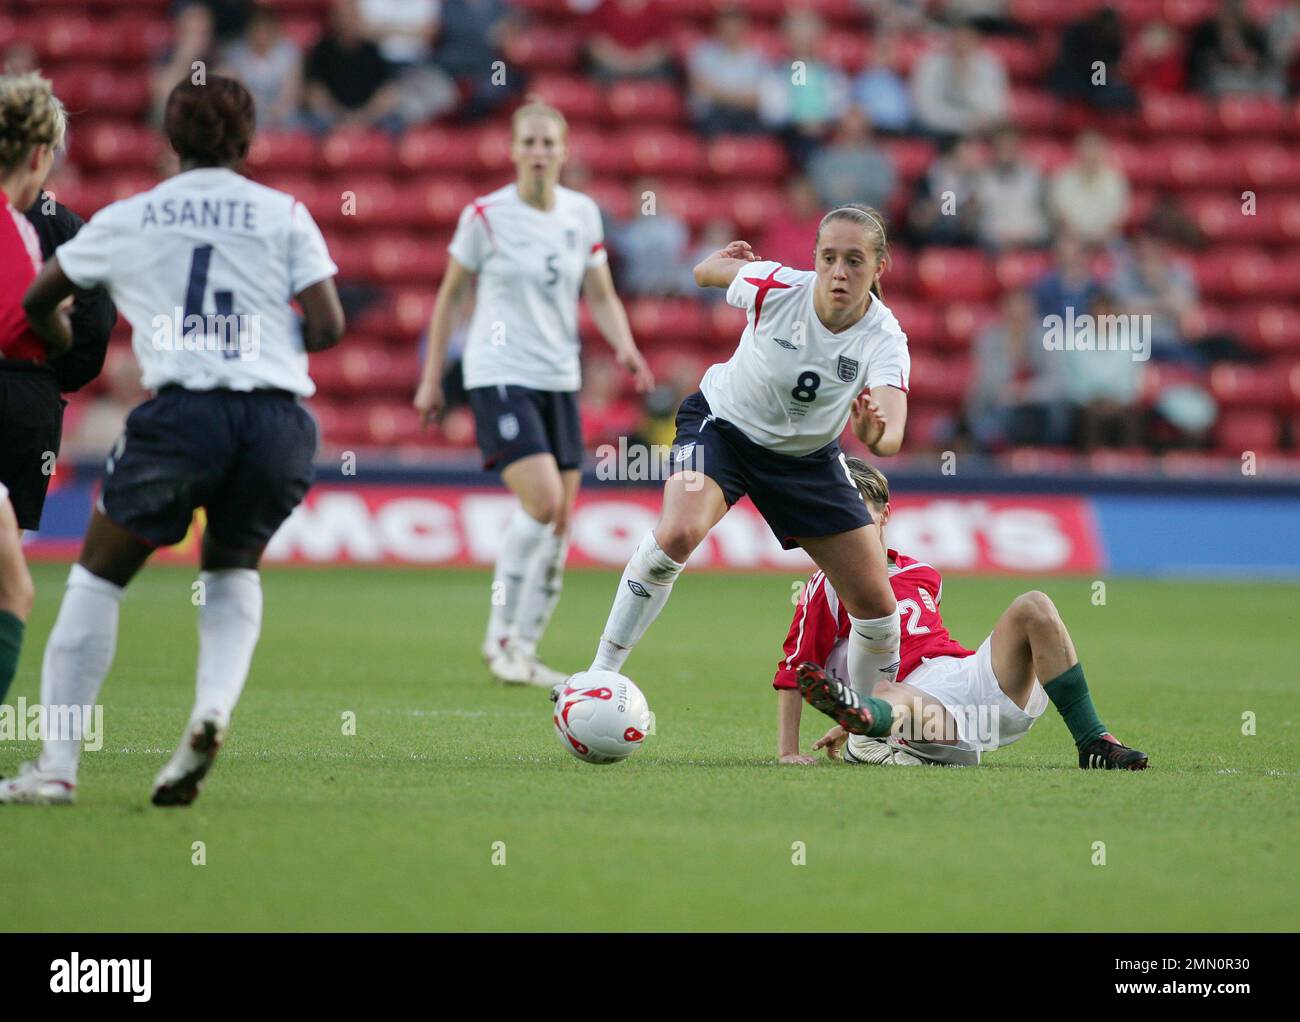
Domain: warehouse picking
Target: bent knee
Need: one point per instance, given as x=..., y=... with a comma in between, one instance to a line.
x=547, y=508
x=1035, y=607
x=679, y=539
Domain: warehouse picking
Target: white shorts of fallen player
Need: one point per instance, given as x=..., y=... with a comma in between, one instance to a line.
x=984, y=716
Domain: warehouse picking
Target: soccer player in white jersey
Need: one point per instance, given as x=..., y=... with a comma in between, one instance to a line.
x=526, y=252
x=204, y=267
x=820, y=350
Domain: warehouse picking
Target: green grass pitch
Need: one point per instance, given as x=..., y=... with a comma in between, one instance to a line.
x=396, y=827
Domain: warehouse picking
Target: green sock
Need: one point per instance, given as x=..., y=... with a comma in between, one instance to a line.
x=882, y=712
x=11, y=644
x=1069, y=694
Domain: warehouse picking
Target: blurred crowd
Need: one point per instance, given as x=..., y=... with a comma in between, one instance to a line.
x=392, y=65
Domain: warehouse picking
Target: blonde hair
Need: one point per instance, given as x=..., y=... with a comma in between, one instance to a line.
x=870, y=481
x=535, y=105
x=30, y=115
x=872, y=222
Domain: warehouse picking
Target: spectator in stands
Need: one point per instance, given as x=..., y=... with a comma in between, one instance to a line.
x=473, y=36
x=725, y=74
x=1148, y=282
x=651, y=245
x=853, y=168
x=1014, y=396
x=270, y=66
x=785, y=238
x=629, y=39
x=404, y=30
x=944, y=211
x=1010, y=197
x=1070, y=286
x=1229, y=53
x=880, y=89
x=1284, y=48
x=229, y=17
x=1089, y=196
x=194, y=43
x=1169, y=222
x=1155, y=62
x=991, y=16
x=1097, y=39
x=960, y=87
x=348, y=82
x=803, y=96
x=1102, y=385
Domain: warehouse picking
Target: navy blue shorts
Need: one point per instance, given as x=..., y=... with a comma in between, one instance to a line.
x=809, y=495
x=514, y=422
x=245, y=457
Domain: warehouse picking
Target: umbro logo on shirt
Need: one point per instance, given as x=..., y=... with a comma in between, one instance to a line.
x=786, y=344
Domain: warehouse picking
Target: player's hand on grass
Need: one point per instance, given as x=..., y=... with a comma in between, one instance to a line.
x=867, y=420
x=832, y=741
x=797, y=759
x=634, y=362
x=429, y=400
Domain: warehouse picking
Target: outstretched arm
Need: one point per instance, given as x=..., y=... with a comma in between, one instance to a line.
x=611, y=320
x=720, y=269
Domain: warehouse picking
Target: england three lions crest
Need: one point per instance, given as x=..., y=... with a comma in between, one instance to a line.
x=847, y=369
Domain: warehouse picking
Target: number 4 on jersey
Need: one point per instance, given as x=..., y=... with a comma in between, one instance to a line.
x=195, y=293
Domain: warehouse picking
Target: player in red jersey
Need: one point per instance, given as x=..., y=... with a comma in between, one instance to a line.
x=32, y=127
x=949, y=703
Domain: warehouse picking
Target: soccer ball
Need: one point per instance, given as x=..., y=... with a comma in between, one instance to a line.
x=601, y=717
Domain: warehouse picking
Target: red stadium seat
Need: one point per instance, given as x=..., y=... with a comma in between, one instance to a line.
x=750, y=158
x=436, y=201
x=1252, y=115
x=578, y=98
x=355, y=150
x=658, y=321
x=427, y=150
x=1240, y=431
x=1274, y=328
x=956, y=274
x=115, y=146
x=544, y=48
x=402, y=259
x=282, y=151
x=752, y=206
x=657, y=151
x=1165, y=113
x=646, y=102
x=1235, y=386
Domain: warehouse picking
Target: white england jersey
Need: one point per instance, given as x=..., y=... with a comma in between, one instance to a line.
x=530, y=266
x=203, y=267
x=791, y=383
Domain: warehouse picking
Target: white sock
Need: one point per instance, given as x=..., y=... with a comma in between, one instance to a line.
x=541, y=591
x=873, y=651
x=230, y=621
x=518, y=547
x=78, y=654
x=643, y=590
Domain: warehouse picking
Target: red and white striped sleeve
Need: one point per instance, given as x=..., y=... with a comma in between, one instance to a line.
x=813, y=632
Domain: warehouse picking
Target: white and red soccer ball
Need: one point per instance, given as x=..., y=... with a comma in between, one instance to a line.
x=601, y=717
